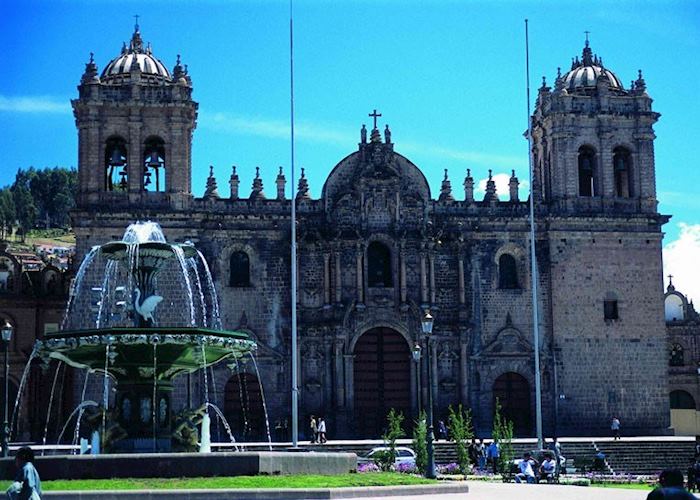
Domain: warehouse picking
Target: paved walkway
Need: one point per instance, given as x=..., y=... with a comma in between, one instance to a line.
x=480, y=490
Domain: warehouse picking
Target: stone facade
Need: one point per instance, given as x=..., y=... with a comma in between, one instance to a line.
x=377, y=250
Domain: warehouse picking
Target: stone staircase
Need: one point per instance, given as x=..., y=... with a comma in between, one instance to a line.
x=623, y=456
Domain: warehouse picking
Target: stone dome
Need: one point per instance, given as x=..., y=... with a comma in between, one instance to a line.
x=135, y=53
x=585, y=73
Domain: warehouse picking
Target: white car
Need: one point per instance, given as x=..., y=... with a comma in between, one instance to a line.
x=404, y=455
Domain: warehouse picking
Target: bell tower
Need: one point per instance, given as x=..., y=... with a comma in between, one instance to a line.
x=135, y=124
x=593, y=141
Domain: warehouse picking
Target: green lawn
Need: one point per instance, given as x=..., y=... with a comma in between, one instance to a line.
x=297, y=481
x=630, y=486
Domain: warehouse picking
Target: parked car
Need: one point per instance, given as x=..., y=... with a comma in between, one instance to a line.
x=404, y=455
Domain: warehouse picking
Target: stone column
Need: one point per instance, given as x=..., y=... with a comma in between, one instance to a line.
x=460, y=270
x=326, y=278
x=402, y=271
x=339, y=375
x=327, y=374
x=431, y=258
x=338, y=278
x=349, y=384
x=135, y=156
x=360, y=275
x=463, y=373
x=423, y=279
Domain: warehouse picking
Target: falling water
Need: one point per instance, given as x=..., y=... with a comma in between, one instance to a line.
x=76, y=435
x=222, y=418
x=16, y=412
x=262, y=394
x=155, y=386
x=206, y=381
x=193, y=265
x=180, y=254
x=105, y=395
x=244, y=404
x=48, y=412
x=215, y=315
x=141, y=232
x=107, y=282
x=215, y=396
x=78, y=408
x=78, y=283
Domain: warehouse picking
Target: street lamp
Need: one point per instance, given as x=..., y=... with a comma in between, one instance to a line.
x=6, y=332
x=427, y=327
x=415, y=352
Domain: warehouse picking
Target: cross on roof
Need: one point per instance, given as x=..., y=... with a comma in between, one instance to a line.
x=375, y=115
x=136, y=16
x=587, y=33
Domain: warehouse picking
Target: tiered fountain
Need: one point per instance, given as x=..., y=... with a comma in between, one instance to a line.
x=143, y=311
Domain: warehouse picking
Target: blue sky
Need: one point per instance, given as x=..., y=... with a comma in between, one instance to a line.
x=448, y=77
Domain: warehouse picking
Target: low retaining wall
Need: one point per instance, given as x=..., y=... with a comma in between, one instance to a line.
x=187, y=465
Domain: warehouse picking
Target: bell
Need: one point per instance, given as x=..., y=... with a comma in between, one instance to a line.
x=147, y=178
x=117, y=159
x=122, y=182
x=154, y=161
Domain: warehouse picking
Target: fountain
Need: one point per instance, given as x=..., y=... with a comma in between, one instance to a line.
x=142, y=344
x=141, y=312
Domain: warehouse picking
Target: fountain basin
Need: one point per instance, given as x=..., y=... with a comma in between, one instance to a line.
x=188, y=465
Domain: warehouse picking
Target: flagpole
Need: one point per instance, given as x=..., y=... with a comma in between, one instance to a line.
x=533, y=259
x=295, y=352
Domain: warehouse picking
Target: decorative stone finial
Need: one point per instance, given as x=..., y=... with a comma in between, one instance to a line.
x=212, y=191
x=513, y=187
x=234, y=182
x=446, y=189
x=469, y=187
x=90, y=74
x=178, y=70
x=491, y=195
x=281, y=184
x=640, y=85
x=670, y=288
x=257, y=192
x=303, y=190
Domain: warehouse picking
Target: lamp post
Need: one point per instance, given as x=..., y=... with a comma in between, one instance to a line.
x=6, y=332
x=415, y=352
x=427, y=327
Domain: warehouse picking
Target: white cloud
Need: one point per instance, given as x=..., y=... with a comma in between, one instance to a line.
x=319, y=133
x=681, y=260
x=34, y=104
x=502, y=187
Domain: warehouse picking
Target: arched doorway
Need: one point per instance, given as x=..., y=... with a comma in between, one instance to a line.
x=382, y=379
x=681, y=400
x=243, y=408
x=513, y=392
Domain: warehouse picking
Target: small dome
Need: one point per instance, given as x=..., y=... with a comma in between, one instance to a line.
x=135, y=54
x=585, y=73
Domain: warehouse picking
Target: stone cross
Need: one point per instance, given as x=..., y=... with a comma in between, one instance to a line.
x=375, y=115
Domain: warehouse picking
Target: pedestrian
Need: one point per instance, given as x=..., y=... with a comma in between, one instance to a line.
x=481, y=448
x=27, y=485
x=321, y=430
x=555, y=447
x=615, y=427
x=473, y=452
x=527, y=472
x=670, y=487
x=442, y=430
x=313, y=429
x=493, y=453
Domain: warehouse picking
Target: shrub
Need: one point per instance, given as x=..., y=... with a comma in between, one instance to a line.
x=420, y=434
x=503, y=435
x=370, y=467
x=451, y=468
x=462, y=431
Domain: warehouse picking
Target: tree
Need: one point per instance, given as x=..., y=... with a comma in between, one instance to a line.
x=25, y=209
x=420, y=433
x=7, y=212
x=385, y=460
x=462, y=431
x=503, y=435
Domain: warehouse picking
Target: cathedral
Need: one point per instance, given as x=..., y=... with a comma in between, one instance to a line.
x=378, y=250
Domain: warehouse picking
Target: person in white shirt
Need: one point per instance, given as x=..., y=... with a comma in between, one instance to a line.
x=526, y=471
x=548, y=468
x=321, y=430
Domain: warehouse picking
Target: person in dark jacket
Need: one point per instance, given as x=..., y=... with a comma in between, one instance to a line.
x=27, y=485
x=670, y=487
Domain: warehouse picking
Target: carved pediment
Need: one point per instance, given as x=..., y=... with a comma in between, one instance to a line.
x=508, y=342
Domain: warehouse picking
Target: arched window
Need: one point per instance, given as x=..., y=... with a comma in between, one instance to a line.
x=507, y=272
x=586, y=171
x=677, y=355
x=240, y=270
x=681, y=400
x=116, y=166
x=154, y=164
x=622, y=165
x=379, y=265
